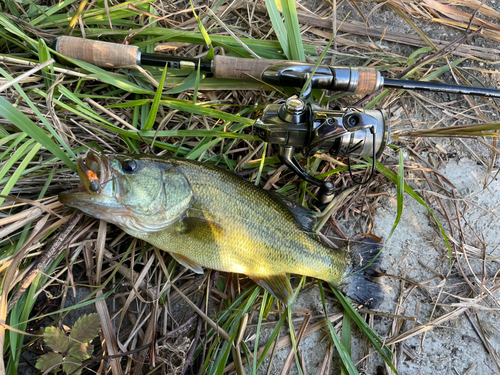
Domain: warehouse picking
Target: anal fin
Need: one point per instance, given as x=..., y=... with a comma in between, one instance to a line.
x=278, y=285
x=188, y=263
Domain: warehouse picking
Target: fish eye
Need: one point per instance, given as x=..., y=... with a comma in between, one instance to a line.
x=129, y=166
x=94, y=186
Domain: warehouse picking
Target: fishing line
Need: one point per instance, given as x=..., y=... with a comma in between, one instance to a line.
x=100, y=185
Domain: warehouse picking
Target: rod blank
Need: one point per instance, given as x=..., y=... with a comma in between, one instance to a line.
x=440, y=87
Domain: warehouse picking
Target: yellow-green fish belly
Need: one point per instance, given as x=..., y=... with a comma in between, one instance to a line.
x=232, y=250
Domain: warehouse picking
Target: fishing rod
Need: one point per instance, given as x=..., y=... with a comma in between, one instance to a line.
x=292, y=124
x=363, y=81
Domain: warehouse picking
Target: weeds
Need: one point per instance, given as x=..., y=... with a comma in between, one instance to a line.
x=51, y=113
x=70, y=351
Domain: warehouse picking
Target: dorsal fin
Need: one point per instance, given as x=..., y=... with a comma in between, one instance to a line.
x=306, y=219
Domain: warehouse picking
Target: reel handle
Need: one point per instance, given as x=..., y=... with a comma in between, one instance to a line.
x=327, y=189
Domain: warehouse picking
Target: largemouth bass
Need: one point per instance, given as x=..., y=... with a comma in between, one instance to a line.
x=205, y=216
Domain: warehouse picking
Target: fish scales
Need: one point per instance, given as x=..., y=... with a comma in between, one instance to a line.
x=261, y=235
x=208, y=217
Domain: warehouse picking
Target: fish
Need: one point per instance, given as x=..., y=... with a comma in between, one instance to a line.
x=209, y=217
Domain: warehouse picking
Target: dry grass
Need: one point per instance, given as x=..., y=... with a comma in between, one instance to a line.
x=156, y=316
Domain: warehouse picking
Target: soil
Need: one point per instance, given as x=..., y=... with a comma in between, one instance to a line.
x=418, y=253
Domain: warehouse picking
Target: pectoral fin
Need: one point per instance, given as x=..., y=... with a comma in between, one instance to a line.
x=201, y=228
x=201, y=233
x=188, y=263
x=278, y=285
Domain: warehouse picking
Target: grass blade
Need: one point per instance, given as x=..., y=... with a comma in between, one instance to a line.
x=345, y=356
x=203, y=33
x=400, y=185
x=156, y=103
x=471, y=130
x=292, y=337
x=200, y=110
x=408, y=190
x=279, y=26
x=257, y=334
x=188, y=83
x=293, y=30
x=39, y=114
x=259, y=173
x=323, y=54
x=369, y=333
x=345, y=337
x=400, y=192
x=114, y=79
x=47, y=13
x=19, y=170
x=237, y=321
x=19, y=119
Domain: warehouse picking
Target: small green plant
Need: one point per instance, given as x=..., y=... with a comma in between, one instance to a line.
x=70, y=350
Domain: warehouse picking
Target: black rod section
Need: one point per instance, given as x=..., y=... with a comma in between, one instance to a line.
x=440, y=87
x=175, y=62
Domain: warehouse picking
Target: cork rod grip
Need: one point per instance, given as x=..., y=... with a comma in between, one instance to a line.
x=103, y=54
x=368, y=80
x=239, y=68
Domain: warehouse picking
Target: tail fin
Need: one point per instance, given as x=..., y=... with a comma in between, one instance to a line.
x=364, y=284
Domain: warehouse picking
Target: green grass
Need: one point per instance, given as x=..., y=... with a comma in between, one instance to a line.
x=48, y=124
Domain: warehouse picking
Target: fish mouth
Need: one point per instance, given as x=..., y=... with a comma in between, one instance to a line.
x=96, y=193
x=93, y=173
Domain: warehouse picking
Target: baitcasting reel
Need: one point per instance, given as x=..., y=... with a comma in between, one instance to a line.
x=348, y=132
